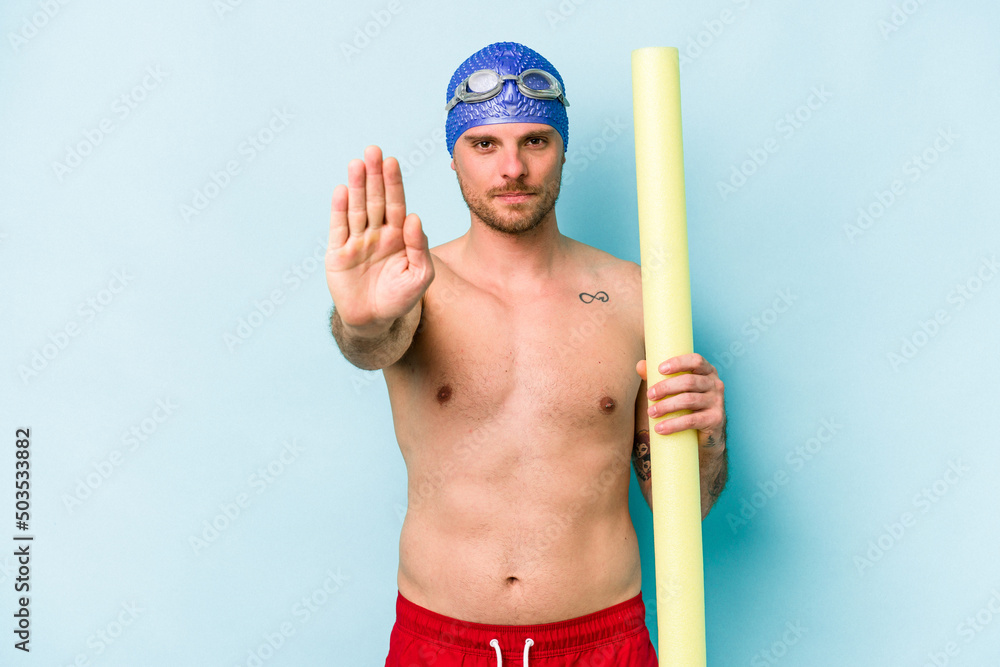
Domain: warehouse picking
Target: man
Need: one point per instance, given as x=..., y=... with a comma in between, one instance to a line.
x=513, y=357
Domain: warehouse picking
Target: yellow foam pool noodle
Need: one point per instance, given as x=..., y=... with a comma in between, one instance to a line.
x=666, y=301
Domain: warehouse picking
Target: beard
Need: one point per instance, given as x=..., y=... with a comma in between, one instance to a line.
x=512, y=219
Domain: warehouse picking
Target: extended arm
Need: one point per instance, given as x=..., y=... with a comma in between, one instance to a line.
x=375, y=348
x=378, y=264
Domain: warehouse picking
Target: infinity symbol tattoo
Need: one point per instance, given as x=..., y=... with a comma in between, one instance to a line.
x=600, y=296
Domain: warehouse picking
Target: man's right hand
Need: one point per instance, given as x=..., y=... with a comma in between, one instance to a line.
x=378, y=264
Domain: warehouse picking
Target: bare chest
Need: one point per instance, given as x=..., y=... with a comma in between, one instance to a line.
x=565, y=359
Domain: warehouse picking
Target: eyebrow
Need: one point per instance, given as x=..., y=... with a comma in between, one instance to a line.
x=476, y=138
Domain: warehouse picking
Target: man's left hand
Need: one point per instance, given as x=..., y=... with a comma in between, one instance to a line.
x=699, y=390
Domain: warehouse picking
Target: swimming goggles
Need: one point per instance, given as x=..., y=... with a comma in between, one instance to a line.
x=486, y=83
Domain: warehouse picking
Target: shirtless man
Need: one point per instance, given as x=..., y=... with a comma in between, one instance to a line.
x=513, y=357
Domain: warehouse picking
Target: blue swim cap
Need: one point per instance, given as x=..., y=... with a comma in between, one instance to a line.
x=510, y=106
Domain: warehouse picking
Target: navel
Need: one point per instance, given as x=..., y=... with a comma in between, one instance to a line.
x=607, y=405
x=444, y=393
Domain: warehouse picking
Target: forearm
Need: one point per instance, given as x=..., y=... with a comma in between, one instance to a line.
x=714, y=466
x=376, y=347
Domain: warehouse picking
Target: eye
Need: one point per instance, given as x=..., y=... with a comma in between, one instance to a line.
x=484, y=144
x=537, y=141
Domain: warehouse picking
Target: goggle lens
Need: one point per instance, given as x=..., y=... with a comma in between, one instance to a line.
x=537, y=81
x=483, y=81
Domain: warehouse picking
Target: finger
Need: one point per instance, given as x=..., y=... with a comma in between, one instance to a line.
x=374, y=187
x=395, y=201
x=692, y=362
x=357, y=212
x=417, y=252
x=640, y=368
x=697, y=420
x=686, y=382
x=687, y=401
x=338, y=219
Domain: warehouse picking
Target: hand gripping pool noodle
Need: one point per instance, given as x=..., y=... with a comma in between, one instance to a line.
x=666, y=300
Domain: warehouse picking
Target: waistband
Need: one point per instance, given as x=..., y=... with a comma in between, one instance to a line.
x=600, y=627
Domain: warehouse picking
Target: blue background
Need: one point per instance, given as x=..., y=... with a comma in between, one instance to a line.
x=117, y=300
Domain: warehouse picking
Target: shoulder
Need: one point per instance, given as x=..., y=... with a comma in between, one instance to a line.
x=448, y=282
x=621, y=274
x=443, y=255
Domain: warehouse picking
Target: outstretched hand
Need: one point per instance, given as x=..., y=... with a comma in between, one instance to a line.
x=378, y=263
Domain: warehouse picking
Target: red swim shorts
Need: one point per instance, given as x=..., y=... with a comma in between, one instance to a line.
x=613, y=637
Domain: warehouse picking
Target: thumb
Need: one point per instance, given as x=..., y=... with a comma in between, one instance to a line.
x=640, y=368
x=415, y=241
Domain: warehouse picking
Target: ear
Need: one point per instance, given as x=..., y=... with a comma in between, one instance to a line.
x=564, y=158
x=453, y=164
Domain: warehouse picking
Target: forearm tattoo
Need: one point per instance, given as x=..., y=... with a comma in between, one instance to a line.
x=640, y=455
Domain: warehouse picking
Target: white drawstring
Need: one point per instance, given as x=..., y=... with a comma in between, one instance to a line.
x=528, y=643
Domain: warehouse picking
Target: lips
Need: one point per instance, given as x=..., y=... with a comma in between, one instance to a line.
x=514, y=197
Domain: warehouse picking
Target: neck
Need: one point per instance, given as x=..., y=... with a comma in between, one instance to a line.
x=512, y=261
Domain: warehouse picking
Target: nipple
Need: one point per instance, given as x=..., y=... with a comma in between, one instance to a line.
x=444, y=393
x=607, y=405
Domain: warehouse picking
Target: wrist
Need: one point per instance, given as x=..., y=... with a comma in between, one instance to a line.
x=371, y=329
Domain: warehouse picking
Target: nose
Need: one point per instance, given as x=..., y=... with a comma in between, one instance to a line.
x=513, y=166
